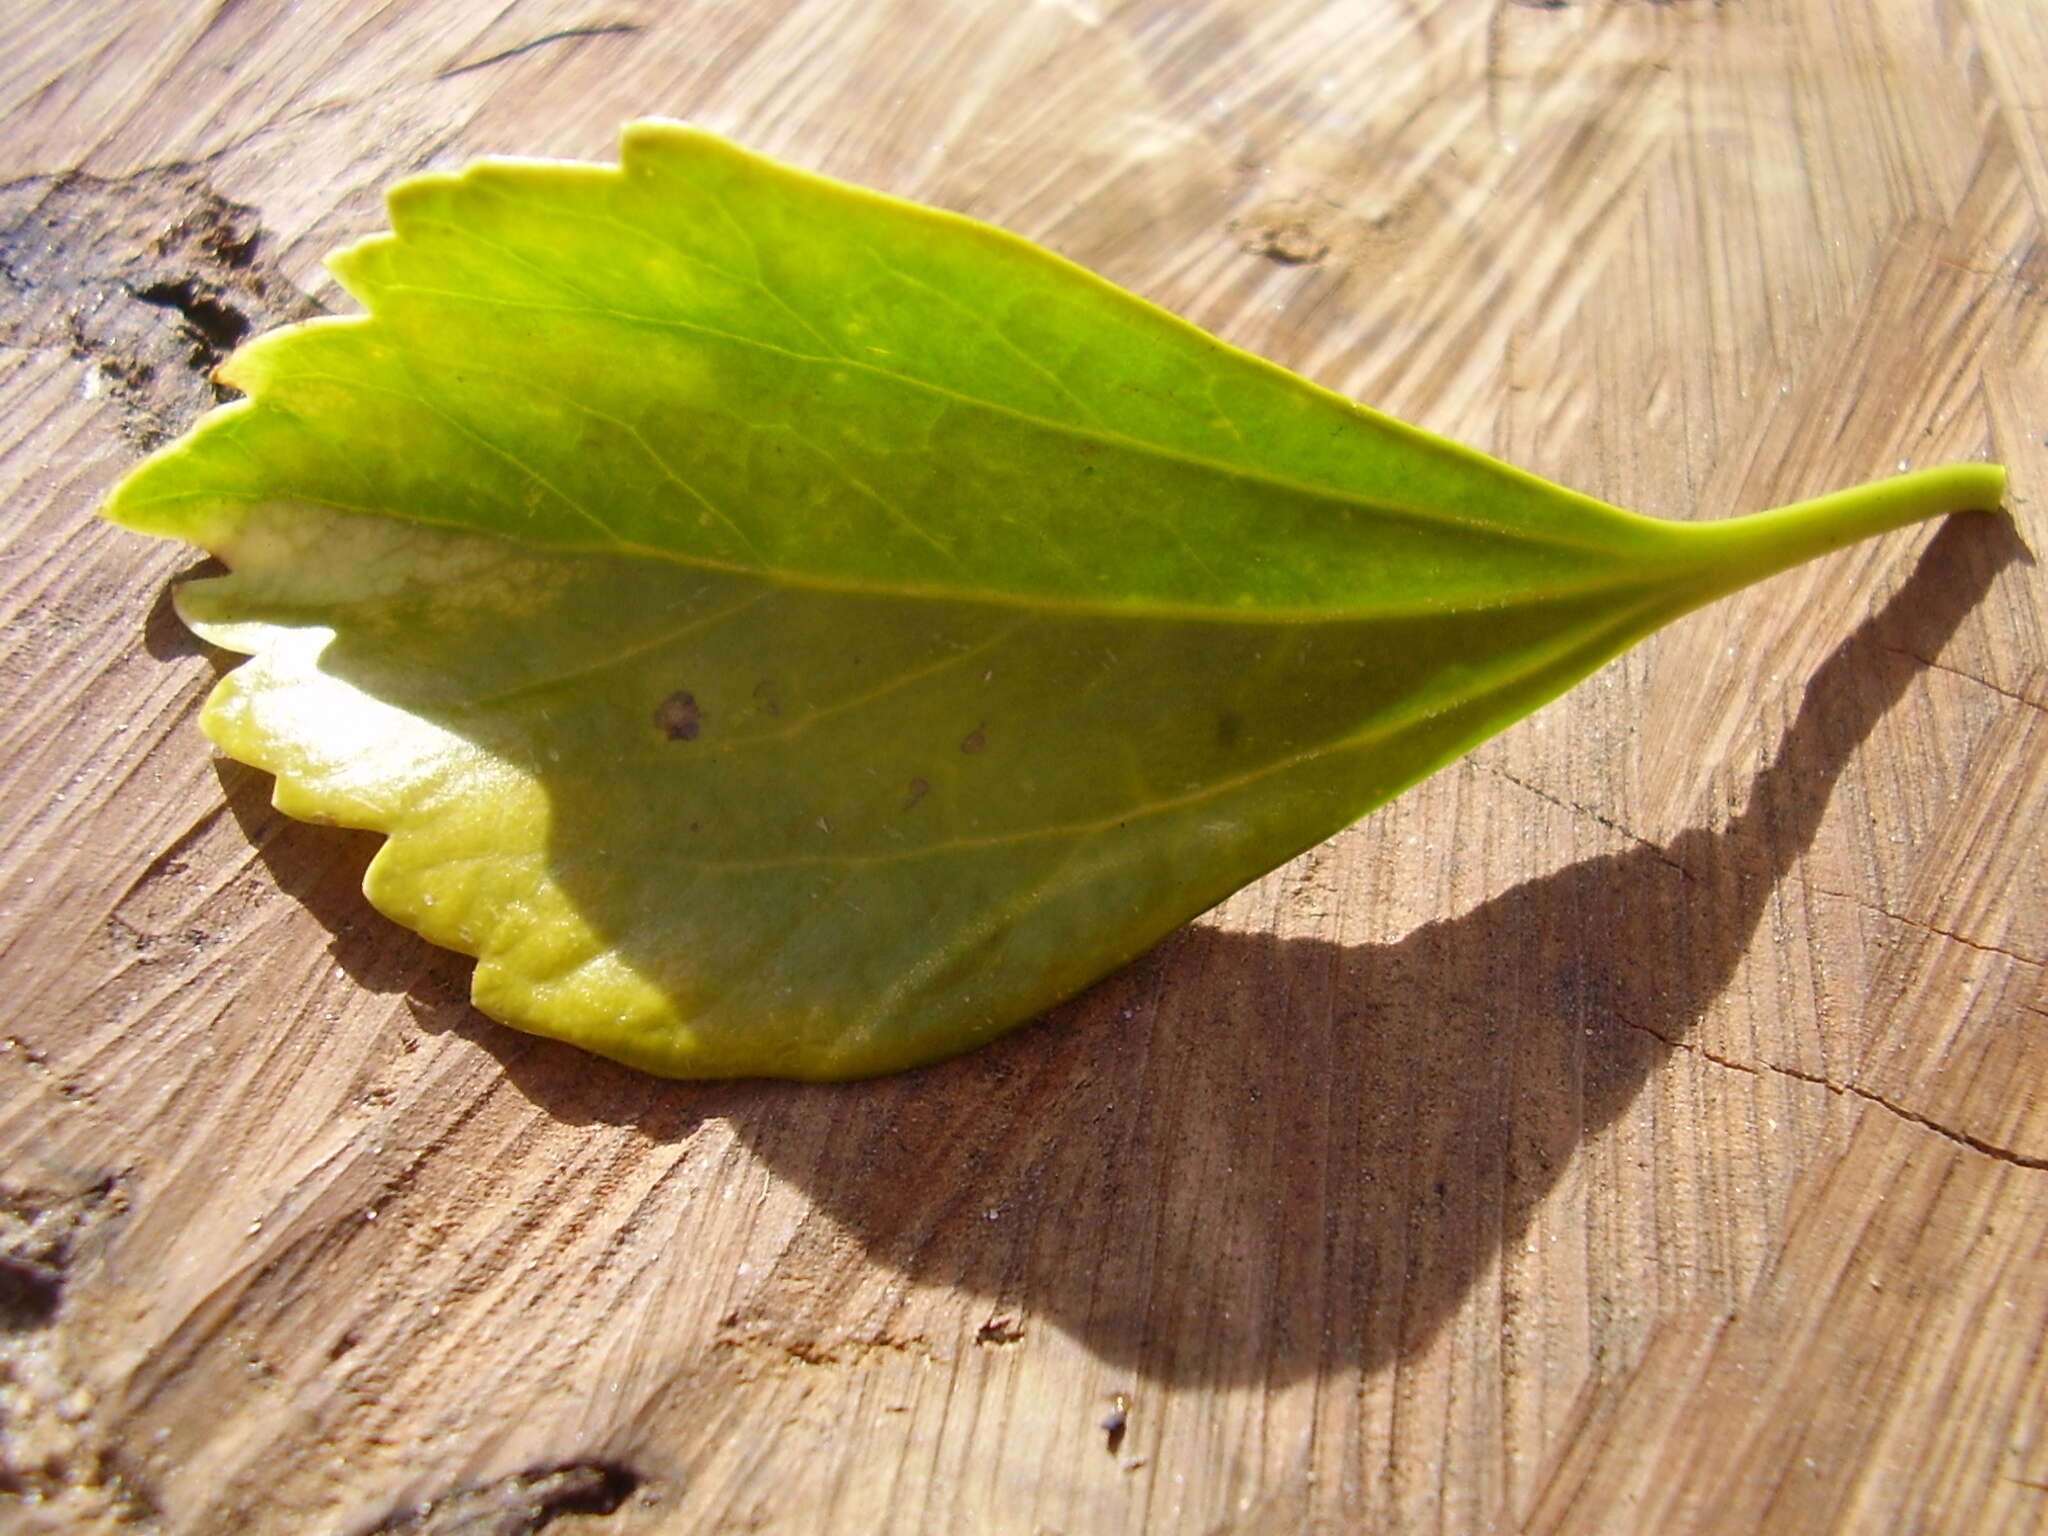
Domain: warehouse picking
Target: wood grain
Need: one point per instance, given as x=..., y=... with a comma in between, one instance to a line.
x=1641, y=1126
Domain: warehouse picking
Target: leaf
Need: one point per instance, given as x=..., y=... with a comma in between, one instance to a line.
x=782, y=630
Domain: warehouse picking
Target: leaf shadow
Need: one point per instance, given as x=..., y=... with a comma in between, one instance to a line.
x=164, y=636
x=1246, y=1158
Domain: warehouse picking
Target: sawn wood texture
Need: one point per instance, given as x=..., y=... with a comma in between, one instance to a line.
x=1641, y=1126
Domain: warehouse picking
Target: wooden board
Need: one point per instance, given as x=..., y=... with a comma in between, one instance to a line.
x=1642, y=1126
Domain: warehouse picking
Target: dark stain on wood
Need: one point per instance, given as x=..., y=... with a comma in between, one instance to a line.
x=517, y=1505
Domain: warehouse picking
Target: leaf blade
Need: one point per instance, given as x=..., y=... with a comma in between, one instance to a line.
x=871, y=731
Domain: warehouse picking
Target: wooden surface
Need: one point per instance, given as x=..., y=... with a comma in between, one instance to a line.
x=1642, y=1126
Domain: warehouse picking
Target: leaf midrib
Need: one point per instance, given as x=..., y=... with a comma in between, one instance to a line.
x=1138, y=612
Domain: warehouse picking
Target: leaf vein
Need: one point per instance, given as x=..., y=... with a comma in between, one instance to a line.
x=1387, y=725
x=654, y=455
x=1140, y=611
x=1406, y=511
x=618, y=658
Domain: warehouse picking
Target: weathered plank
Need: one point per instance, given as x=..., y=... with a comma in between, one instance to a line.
x=1642, y=1125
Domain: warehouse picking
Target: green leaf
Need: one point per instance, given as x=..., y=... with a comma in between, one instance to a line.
x=782, y=630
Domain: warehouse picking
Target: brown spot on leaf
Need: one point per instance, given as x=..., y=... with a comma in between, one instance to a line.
x=764, y=701
x=678, y=717
x=919, y=788
x=974, y=741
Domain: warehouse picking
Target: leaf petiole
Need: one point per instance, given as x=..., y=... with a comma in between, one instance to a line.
x=1749, y=548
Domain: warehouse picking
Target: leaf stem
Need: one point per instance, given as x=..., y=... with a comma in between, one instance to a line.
x=1764, y=543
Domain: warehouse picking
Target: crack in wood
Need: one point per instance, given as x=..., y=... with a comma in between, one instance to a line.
x=1976, y=1144
x=565, y=35
x=1970, y=677
x=1591, y=815
x=1924, y=927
